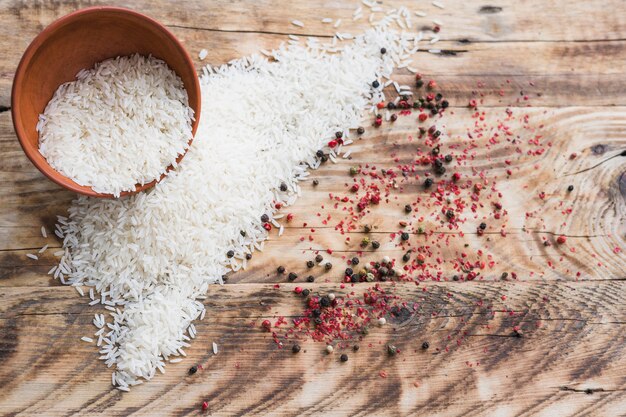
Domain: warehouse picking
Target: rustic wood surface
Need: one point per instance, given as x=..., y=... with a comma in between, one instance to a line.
x=571, y=357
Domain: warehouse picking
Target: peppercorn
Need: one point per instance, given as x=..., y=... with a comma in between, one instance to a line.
x=437, y=133
x=310, y=278
x=329, y=349
x=344, y=358
x=440, y=170
x=444, y=104
x=428, y=182
x=375, y=244
x=504, y=275
x=354, y=261
x=394, y=117
x=349, y=272
x=353, y=171
x=408, y=208
x=455, y=278
x=483, y=226
x=377, y=265
x=367, y=228
x=404, y=236
x=391, y=105
x=265, y=218
x=383, y=51
x=292, y=276
x=375, y=84
x=360, y=130
x=425, y=345
x=295, y=348
x=248, y=256
x=419, y=83
x=391, y=350
x=283, y=187
x=383, y=271
x=448, y=158
x=280, y=269
x=324, y=158
x=306, y=292
x=309, y=264
x=316, y=312
x=570, y=188
x=325, y=301
x=319, y=153
x=230, y=254
x=355, y=348
x=450, y=214
x=319, y=258
x=315, y=182
x=328, y=266
x=354, y=278
x=438, y=163
x=242, y=233
x=406, y=257
x=317, y=321
x=193, y=370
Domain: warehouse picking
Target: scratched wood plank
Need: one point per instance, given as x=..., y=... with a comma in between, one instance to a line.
x=571, y=61
x=568, y=361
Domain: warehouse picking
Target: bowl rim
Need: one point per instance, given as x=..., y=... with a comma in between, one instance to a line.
x=35, y=44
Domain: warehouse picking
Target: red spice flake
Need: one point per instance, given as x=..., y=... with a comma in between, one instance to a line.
x=289, y=217
x=380, y=105
x=383, y=374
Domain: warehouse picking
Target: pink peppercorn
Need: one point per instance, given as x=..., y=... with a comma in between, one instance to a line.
x=297, y=290
x=332, y=143
x=205, y=405
x=561, y=239
x=267, y=226
x=266, y=324
x=422, y=117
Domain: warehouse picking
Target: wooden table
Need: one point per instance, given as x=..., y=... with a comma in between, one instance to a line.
x=570, y=358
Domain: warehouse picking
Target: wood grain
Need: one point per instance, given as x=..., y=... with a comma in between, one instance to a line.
x=570, y=359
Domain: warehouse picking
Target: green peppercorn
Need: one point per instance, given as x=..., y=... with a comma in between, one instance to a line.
x=391, y=350
x=353, y=171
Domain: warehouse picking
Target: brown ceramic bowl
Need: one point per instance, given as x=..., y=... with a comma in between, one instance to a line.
x=77, y=41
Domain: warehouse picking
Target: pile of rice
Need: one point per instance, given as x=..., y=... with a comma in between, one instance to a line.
x=150, y=258
x=119, y=124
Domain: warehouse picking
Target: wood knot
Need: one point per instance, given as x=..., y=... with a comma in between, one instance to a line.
x=490, y=10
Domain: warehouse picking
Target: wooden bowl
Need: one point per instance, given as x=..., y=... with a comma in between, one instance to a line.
x=77, y=41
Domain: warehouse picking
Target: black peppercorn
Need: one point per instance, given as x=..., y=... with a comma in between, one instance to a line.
x=325, y=301
x=295, y=348
x=394, y=117
x=483, y=226
x=375, y=244
x=375, y=84
x=354, y=261
x=383, y=271
x=230, y=253
x=280, y=269
x=438, y=163
x=419, y=83
x=310, y=278
x=383, y=51
x=324, y=158
x=292, y=276
x=283, y=187
x=440, y=170
x=450, y=214
x=317, y=321
x=406, y=257
x=355, y=348
x=242, y=233
x=328, y=266
x=428, y=182
x=570, y=188
x=444, y=104
x=354, y=278
x=391, y=350
x=504, y=275
x=455, y=278
x=306, y=292
x=319, y=153
x=448, y=158
x=434, y=111
x=349, y=272
x=404, y=236
x=310, y=264
x=315, y=182
x=248, y=256
x=408, y=208
x=316, y=312
x=338, y=135
x=319, y=258
x=265, y=218
x=360, y=130
x=437, y=133
x=344, y=358
x=391, y=105
x=425, y=345
x=193, y=370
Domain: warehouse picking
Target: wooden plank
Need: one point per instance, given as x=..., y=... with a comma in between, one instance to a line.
x=573, y=339
x=595, y=227
x=577, y=71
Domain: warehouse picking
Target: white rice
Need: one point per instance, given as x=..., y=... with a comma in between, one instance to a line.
x=297, y=23
x=31, y=256
x=103, y=130
x=43, y=232
x=203, y=54
x=152, y=256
